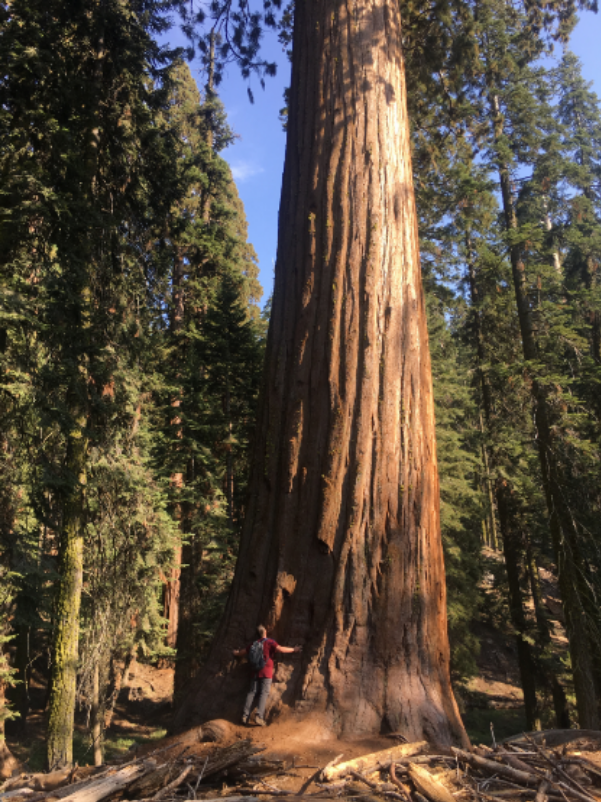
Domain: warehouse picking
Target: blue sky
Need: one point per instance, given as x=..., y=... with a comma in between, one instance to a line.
x=257, y=157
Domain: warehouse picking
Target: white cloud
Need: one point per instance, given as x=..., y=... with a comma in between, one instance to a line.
x=243, y=170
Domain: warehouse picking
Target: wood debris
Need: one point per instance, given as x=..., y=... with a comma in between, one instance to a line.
x=563, y=767
x=374, y=761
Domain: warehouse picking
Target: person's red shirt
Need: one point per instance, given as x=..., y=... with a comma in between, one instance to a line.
x=269, y=652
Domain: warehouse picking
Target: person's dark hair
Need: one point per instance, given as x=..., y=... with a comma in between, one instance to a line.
x=261, y=631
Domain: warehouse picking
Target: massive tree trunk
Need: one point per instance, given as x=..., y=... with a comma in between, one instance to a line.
x=341, y=547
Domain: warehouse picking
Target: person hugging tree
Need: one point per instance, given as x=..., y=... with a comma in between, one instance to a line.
x=260, y=655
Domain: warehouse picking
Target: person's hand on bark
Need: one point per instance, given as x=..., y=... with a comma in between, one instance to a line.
x=289, y=649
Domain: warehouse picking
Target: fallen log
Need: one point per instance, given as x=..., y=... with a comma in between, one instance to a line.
x=568, y=789
x=26, y=794
x=257, y=765
x=239, y=799
x=585, y=764
x=96, y=790
x=173, y=784
x=513, y=760
x=41, y=781
x=554, y=737
x=357, y=790
x=331, y=764
x=373, y=761
x=541, y=794
x=428, y=785
x=376, y=786
x=491, y=766
x=229, y=756
x=147, y=785
x=17, y=792
x=106, y=771
x=432, y=759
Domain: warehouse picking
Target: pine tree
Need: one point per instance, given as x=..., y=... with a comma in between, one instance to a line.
x=521, y=125
x=213, y=357
x=578, y=218
x=80, y=185
x=461, y=500
x=448, y=134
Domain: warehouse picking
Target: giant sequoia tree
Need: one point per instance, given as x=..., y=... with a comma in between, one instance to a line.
x=341, y=545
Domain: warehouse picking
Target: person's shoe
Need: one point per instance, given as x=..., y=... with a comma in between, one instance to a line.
x=245, y=719
x=260, y=722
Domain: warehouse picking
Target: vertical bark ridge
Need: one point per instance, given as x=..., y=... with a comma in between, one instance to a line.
x=341, y=549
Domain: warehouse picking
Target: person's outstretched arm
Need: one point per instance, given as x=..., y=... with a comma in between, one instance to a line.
x=239, y=652
x=288, y=649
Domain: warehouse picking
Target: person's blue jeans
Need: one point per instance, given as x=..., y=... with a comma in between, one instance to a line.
x=259, y=691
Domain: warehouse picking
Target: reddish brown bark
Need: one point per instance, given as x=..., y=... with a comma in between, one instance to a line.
x=172, y=588
x=171, y=599
x=341, y=546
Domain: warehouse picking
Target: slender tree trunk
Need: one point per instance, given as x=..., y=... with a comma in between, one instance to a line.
x=341, y=548
x=555, y=260
x=547, y=674
x=209, y=99
x=594, y=314
x=172, y=590
x=591, y=275
x=96, y=716
x=571, y=569
x=20, y=693
x=8, y=764
x=76, y=355
x=171, y=598
x=510, y=535
x=514, y=559
x=186, y=665
x=229, y=460
x=65, y=645
x=492, y=521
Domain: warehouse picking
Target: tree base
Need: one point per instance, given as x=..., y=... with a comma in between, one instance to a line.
x=8, y=763
x=318, y=717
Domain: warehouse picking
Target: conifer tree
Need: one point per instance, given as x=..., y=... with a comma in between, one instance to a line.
x=80, y=185
x=520, y=131
x=213, y=356
x=447, y=175
x=579, y=215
